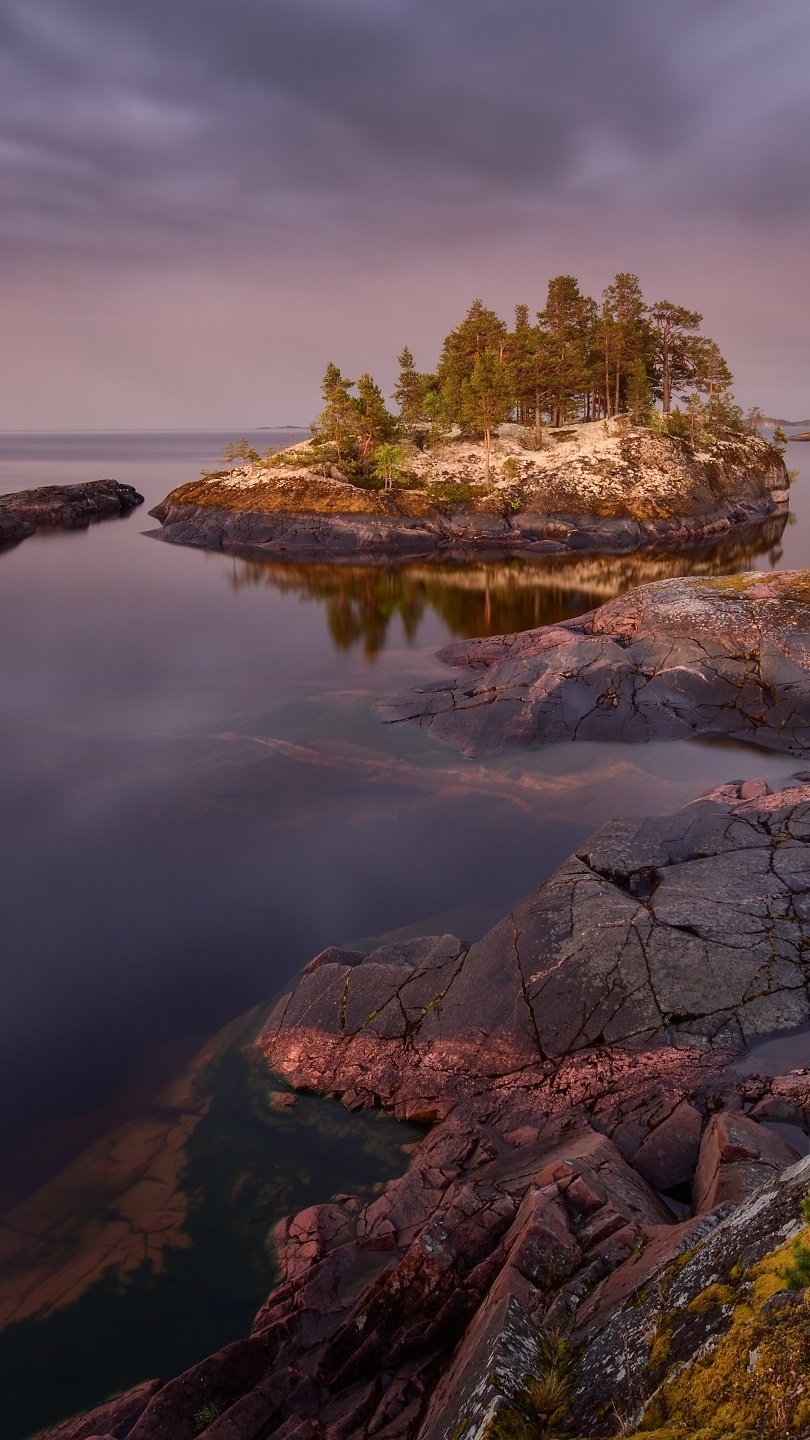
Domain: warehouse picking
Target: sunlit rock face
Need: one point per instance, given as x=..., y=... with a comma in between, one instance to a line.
x=677, y=658
x=608, y=489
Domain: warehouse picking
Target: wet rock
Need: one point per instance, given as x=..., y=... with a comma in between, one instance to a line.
x=68, y=506
x=671, y=659
x=737, y=1155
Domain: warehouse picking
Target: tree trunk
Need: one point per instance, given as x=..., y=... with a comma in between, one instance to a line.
x=607, y=378
x=538, y=419
x=487, y=447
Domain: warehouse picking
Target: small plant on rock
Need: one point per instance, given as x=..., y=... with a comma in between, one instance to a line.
x=205, y=1416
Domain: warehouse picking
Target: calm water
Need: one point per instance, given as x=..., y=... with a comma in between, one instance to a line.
x=198, y=794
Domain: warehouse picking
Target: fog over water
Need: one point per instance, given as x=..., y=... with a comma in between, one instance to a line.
x=198, y=794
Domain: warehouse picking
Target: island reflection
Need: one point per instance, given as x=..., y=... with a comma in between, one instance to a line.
x=496, y=596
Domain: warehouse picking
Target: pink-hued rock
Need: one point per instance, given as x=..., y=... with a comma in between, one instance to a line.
x=668, y=1155
x=114, y=1418
x=736, y=1157
x=568, y=1062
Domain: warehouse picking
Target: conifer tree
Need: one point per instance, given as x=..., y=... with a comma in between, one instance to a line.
x=565, y=323
x=410, y=389
x=528, y=364
x=712, y=378
x=481, y=331
x=374, y=423
x=486, y=399
x=674, y=328
x=336, y=423
x=626, y=333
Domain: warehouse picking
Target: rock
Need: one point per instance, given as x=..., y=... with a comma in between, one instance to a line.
x=608, y=491
x=737, y=1155
x=524, y=1264
x=667, y=1157
x=672, y=659
x=69, y=506
x=115, y=1418
x=689, y=929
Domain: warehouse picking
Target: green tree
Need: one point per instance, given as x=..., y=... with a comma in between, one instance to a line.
x=410, y=389
x=779, y=439
x=639, y=392
x=239, y=450
x=374, y=423
x=626, y=335
x=388, y=464
x=486, y=400
x=480, y=332
x=565, y=324
x=336, y=423
x=712, y=378
x=528, y=364
x=674, y=328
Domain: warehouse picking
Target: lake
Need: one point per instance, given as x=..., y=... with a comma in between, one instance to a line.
x=199, y=795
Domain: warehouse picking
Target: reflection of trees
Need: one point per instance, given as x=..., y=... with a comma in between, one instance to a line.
x=490, y=598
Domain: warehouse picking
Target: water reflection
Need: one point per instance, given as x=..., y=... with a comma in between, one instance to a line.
x=490, y=598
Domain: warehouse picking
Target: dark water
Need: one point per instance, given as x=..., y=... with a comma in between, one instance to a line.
x=197, y=794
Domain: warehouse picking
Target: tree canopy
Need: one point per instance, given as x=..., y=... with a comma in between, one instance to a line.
x=575, y=359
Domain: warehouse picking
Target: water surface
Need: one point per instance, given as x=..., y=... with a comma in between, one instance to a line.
x=198, y=794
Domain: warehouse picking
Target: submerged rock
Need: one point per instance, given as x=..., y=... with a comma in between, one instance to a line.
x=593, y=487
x=677, y=658
x=68, y=506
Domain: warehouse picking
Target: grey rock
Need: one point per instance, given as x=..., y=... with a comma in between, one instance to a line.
x=671, y=659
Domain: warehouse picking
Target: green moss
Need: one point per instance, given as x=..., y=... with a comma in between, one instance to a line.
x=753, y=1383
x=710, y=1298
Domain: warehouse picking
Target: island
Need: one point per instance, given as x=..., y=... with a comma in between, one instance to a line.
x=69, y=507
x=540, y=439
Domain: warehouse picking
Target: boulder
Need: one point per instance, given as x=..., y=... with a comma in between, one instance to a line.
x=736, y=1157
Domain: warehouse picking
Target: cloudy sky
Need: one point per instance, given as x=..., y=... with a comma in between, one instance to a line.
x=205, y=200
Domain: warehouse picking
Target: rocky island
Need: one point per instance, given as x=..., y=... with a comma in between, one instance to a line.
x=604, y=1232
x=69, y=507
x=539, y=439
x=608, y=488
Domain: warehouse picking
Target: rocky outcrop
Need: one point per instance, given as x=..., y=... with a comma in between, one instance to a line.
x=673, y=659
x=68, y=506
x=610, y=489
x=538, y=1261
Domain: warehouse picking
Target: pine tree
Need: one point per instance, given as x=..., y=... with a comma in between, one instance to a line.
x=566, y=325
x=374, y=423
x=486, y=399
x=712, y=378
x=626, y=335
x=480, y=332
x=639, y=393
x=410, y=390
x=674, y=328
x=528, y=365
x=337, y=422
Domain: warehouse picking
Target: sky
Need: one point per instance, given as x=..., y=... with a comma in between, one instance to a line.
x=204, y=201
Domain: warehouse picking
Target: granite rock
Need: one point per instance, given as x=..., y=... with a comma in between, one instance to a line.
x=669, y=660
